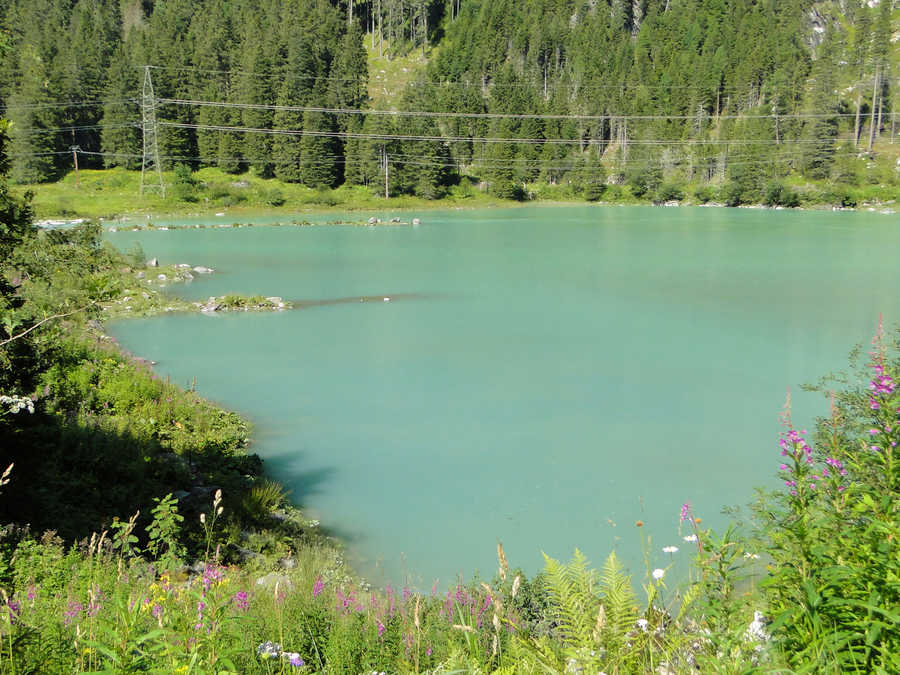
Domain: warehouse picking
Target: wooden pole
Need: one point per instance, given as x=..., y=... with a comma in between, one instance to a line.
x=75, y=149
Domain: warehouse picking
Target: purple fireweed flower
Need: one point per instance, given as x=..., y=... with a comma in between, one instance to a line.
x=241, y=600
x=296, y=661
x=428, y=651
x=156, y=611
x=882, y=384
x=211, y=574
x=434, y=588
x=72, y=611
x=318, y=586
x=13, y=608
x=381, y=628
x=406, y=593
x=873, y=404
x=685, y=511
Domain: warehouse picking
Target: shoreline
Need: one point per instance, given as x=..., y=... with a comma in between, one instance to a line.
x=123, y=222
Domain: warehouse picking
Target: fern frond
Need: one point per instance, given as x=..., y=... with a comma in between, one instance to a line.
x=619, y=601
x=571, y=591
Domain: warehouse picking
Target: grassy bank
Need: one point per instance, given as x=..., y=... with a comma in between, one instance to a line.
x=115, y=192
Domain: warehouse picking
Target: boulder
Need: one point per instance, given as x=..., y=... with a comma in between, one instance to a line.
x=200, y=269
x=416, y=221
x=153, y=262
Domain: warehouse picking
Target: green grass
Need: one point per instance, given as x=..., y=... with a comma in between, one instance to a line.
x=113, y=193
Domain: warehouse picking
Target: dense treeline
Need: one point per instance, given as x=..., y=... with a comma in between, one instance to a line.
x=655, y=93
x=722, y=89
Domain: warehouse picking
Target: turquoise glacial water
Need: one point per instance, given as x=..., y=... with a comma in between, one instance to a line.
x=542, y=376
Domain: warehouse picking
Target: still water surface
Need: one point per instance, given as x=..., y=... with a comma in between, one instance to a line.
x=541, y=376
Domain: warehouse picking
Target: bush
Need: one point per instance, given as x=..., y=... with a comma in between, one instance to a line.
x=184, y=186
x=593, y=190
x=644, y=180
x=670, y=192
x=833, y=531
x=705, y=193
x=274, y=197
x=732, y=194
x=777, y=194
x=508, y=189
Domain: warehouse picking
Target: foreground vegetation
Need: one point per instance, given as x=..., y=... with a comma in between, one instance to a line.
x=141, y=536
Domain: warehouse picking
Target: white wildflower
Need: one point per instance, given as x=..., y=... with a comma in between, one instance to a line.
x=642, y=624
x=756, y=631
x=670, y=549
x=691, y=538
x=658, y=573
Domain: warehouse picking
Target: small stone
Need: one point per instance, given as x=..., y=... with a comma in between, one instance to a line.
x=153, y=262
x=200, y=269
x=416, y=221
x=161, y=277
x=372, y=220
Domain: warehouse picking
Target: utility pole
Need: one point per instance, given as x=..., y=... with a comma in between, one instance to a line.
x=387, y=176
x=75, y=149
x=150, y=164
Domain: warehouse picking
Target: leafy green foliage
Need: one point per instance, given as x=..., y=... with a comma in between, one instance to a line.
x=833, y=531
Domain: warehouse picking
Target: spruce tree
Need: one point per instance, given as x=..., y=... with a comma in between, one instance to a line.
x=32, y=144
x=319, y=167
x=121, y=133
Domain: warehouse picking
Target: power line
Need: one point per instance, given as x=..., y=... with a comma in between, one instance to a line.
x=64, y=104
x=83, y=127
x=422, y=160
x=474, y=115
x=472, y=139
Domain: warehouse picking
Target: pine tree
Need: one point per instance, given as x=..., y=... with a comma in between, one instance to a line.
x=121, y=133
x=319, y=158
x=820, y=133
x=32, y=145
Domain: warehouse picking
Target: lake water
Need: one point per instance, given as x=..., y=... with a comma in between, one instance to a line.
x=543, y=376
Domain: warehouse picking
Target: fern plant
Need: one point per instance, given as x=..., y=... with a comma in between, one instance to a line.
x=594, y=618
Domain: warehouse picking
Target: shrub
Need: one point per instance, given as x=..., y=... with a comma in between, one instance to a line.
x=777, y=194
x=670, y=192
x=508, y=189
x=644, y=180
x=732, y=194
x=833, y=531
x=705, y=193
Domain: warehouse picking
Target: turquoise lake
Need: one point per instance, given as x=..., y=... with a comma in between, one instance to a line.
x=542, y=376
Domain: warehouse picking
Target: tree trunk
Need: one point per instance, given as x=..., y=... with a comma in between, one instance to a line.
x=872, y=116
x=858, y=106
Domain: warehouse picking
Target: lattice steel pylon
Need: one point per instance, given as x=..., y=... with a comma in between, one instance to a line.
x=151, y=170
